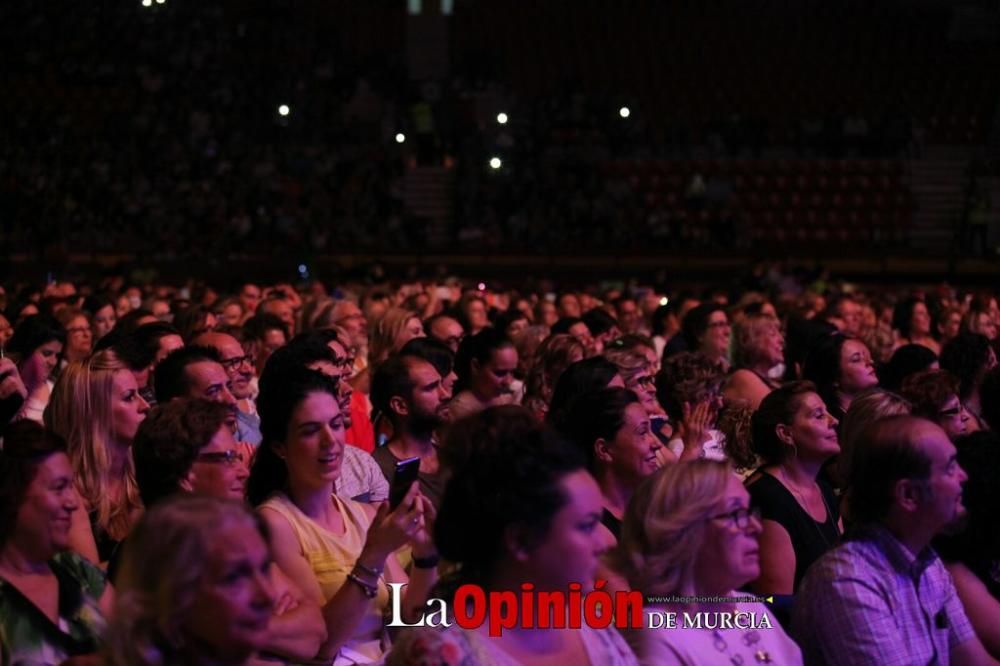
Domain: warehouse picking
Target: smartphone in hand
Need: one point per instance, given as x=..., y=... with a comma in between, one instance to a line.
x=404, y=476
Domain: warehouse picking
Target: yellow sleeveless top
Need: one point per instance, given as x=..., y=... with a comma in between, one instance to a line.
x=331, y=557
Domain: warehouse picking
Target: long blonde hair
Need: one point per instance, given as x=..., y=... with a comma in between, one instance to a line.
x=164, y=563
x=664, y=526
x=80, y=411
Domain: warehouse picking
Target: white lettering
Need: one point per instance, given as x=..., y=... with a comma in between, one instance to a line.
x=396, y=592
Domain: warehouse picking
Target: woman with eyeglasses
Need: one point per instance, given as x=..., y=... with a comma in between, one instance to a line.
x=79, y=337
x=794, y=435
x=690, y=533
x=637, y=367
x=611, y=429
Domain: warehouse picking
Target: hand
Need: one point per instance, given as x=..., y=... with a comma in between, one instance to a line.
x=697, y=421
x=423, y=541
x=390, y=531
x=12, y=382
x=286, y=602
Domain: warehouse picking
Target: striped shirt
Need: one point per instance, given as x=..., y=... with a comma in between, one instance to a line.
x=871, y=601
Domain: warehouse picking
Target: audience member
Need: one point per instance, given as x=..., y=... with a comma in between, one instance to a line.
x=884, y=596
x=794, y=436
x=53, y=602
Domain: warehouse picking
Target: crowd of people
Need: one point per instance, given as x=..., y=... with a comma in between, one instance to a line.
x=282, y=475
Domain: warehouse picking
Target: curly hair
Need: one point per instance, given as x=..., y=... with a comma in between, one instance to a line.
x=928, y=391
x=552, y=357
x=686, y=377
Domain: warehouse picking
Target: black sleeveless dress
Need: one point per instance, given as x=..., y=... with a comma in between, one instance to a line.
x=810, y=539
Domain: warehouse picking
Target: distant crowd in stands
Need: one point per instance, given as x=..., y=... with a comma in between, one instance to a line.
x=195, y=477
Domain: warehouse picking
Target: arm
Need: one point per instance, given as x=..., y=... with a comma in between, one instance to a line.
x=81, y=538
x=777, y=560
x=980, y=606
x=420, y=581
x=345, y=609
x=299, y=631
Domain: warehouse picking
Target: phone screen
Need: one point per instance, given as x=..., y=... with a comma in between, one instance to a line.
x=406, y=474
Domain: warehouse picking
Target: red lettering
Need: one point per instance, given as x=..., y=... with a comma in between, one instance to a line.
x=551, y=610
x=503, y=612
x=628, y=609
x=463, y=596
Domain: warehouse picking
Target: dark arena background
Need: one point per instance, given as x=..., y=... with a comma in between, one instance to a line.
x=500, y=138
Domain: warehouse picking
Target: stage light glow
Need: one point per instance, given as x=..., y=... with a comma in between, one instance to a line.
x=502, y=118
x=664, y=300
x=624, y=112
x=284, y=110
x=147, y=3
x=495, y=163
x=400, y=137
x=482, y=286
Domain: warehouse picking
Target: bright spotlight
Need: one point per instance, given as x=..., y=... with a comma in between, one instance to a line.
x=147, y=3
x=400, y=137
x=482, y=286
x=495, y=163
x=624, y=112
x=283, y=109
x=664, y=300
x=502, y=118
x=161, y=2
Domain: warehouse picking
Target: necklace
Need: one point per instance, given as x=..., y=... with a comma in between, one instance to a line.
x=750, y=639
x=805, y=507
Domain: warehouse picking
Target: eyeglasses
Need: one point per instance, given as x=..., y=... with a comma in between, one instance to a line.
x=233, y=363
x=740, y=518
x=954, y=411
x=231, y=458
x=645, y=381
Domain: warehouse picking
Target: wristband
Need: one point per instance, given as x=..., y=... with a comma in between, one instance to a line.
x=426, y=562
x=371, y=571
x=369, y=590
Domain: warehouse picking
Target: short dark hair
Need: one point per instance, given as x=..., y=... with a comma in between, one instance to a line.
x=885, y=454
x=170, y=377
x=598, y=321
x=256, y=327
x=695, y=323
x=26, y=445
x=565, y=323
x=391, y=378
x=300, y=353
x=168, y=441
x=590, y=374
x=779, y=406
x=148, y=337
x=596, y=415
x=905, y=361
x=433, y=351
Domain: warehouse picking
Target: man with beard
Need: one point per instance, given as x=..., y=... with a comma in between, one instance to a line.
x=884, y=597
x=409, y=392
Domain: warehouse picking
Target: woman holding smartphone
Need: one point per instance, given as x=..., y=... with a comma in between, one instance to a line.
x=339, y=552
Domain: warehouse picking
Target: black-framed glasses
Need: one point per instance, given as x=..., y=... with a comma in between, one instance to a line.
x=739, y=518
x=954, y=411
x=237, y=361
x=231, y=457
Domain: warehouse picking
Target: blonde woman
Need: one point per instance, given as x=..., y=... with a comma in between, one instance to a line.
x=551, y=358
x=194, y=587
x=758, y=347
x=96, y=408
x=689, y=532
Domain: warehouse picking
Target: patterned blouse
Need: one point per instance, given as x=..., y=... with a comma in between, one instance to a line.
x=28, y=636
